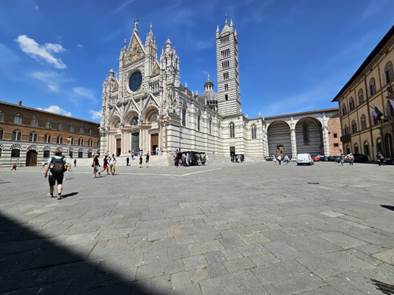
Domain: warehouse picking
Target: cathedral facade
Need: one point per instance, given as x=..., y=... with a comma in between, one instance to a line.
x=146, y=108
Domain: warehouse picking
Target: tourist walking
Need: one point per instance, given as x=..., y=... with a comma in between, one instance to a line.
x=140, y=160
x=75, y=162
x=280, y=159
x=351, y=159
x=13, y=167
x=147, y=159
x=112, y=164
x=342, y=159
x=105, y=164
x=380, y=159
x=96, y=166
x=127, y=161
x=56, y=168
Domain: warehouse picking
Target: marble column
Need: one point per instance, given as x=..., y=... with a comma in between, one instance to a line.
x=326, y=141
x=293, y=142
x=265, y=142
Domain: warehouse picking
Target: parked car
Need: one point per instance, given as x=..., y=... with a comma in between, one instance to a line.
x=360, y=158
x=334, y=158
x=323, y=158
x=269, y=158
x=388, y=161
x=304, y=159
x=316, y=158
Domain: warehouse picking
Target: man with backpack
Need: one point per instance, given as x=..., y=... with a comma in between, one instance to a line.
x=56, y=168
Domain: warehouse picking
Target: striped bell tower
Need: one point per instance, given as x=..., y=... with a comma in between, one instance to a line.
x=227, y=66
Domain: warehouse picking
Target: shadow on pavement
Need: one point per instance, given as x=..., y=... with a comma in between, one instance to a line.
x=383, y=287
x=32, y=264
x=390, y=207
x=69, y=195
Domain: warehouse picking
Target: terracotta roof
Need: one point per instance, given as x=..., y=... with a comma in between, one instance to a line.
x=46, y=112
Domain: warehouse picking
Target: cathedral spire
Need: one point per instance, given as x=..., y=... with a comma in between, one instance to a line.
x=150, y=39
x=135, y=28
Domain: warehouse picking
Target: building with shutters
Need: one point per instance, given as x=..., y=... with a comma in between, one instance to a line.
x=145, y=108
x=366, y=103
x=29, y=136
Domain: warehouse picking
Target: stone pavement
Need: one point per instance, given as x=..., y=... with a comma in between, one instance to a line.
x=230, y=229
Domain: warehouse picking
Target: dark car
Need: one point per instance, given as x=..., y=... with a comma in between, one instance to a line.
x=388, y=161
x=192, y=158
x=360, y=158
x=269, y=158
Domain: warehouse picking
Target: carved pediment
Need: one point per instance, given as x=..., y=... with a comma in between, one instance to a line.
x=134, y=53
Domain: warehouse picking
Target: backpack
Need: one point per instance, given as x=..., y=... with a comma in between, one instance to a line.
x=58, y=165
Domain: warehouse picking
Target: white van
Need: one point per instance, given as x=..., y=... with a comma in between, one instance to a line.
x=304, y=159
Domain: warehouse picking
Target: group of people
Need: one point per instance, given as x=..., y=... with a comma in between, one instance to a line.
x=140, y=156
x=181, y=159
x=109, y=165
x=280, y=159
x=189, y=158
x=349, y=158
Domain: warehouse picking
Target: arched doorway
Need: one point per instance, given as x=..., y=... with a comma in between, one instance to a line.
x=279, y=138
x=388, y=144
x=309, y=136
x=31, y=158
x=132, y=120
x=115, y=136
x=151, y=120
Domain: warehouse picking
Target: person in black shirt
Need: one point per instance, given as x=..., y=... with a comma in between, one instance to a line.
x=96, y=165
x=147, y=159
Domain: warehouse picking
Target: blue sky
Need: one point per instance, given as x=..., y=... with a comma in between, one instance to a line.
x=295, y=55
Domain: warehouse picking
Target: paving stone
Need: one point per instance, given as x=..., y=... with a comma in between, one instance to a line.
x=194, y=262
x=342, y=240
x=282, y=250
x=295, y=285
x=239, y=264
x=386, y=256
x=255, y=231
x=280, y=272
x=329, y=264
x=237, y=283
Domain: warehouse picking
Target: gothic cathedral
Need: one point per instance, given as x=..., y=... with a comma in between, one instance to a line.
x=145, y=107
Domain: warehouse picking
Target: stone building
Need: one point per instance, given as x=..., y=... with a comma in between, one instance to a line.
x=366, y=103
x=146, y=108
x=29, y=136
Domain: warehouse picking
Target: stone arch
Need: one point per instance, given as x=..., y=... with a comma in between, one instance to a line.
x=278, y=133
x=32, y=148
x=309, y=136
x=15, y=146
x=114, y=121
x=150, y=114
x=132, y=118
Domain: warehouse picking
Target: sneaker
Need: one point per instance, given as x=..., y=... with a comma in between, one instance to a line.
x=59, y=197
x=50, y=195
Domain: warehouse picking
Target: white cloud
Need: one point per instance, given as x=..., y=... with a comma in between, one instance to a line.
x=51, y=79
x=95, y=115
x=123, y=6
x=79, y=45
x=44, y=52
x=83, y=92
x=56, y=110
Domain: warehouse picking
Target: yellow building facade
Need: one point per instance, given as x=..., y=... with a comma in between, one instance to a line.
x=366, y=104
